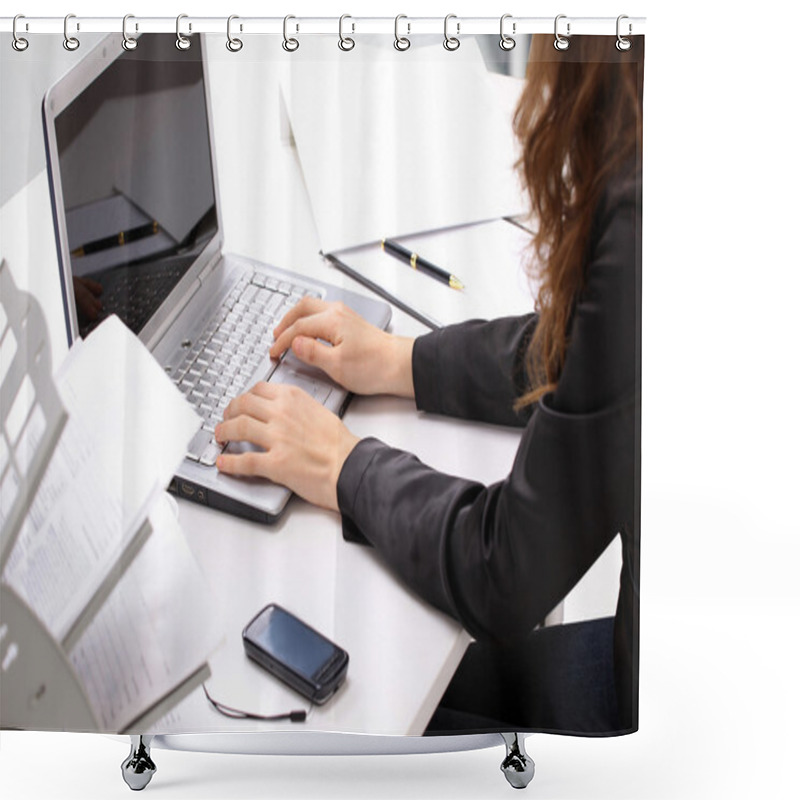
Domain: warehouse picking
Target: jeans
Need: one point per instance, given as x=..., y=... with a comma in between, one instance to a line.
x=560, y=680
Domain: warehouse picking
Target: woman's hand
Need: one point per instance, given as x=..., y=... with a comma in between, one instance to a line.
x=87, y=298
x=304, y=445
x=359, y=356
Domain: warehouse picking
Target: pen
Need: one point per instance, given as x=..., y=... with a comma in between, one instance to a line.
x=418, y=262
x=116, y=239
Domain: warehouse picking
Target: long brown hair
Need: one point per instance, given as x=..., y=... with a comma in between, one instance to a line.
x=579, y=122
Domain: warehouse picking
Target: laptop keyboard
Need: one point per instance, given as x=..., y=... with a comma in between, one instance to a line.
x=220, y=363
x=134, y=297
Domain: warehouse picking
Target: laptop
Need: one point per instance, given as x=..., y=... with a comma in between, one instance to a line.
x=131, y=162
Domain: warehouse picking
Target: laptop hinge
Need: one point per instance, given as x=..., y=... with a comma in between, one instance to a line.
x=209, y=267
x=155, y=337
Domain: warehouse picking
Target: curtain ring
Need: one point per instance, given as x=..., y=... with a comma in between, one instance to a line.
x=181, y=42
x=18, y=43
x=401, y=42
x=561, y=43
x=234, y=45
x=70, y=42
x=289, y=44
x=345, y=42
x=623, y=44
x=451, y=42
x=128, y=42
x=507, y=42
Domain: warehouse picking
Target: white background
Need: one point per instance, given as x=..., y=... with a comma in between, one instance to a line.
x=720, y=604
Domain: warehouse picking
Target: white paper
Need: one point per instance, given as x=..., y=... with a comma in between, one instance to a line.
x=392, y=143
x=127, y=431
x=139, y=420
x=157, y=627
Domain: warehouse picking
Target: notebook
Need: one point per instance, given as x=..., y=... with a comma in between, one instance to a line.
x=131, y=164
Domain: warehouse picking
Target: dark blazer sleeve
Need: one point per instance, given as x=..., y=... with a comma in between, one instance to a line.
x=474, y=370
x=498, y=558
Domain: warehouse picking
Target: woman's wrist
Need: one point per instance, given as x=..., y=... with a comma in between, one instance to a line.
x=347, y=443
x=398, y=375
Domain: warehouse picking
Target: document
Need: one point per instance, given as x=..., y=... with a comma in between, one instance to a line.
x=487, y=257
x=396, y=142
x=126, y=620
x=158, y=624
x=127, y=431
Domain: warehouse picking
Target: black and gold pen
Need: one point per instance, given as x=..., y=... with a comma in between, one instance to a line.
x=418, y=262
x=116, y=239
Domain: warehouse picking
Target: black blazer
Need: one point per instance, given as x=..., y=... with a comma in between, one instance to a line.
x=498, y=558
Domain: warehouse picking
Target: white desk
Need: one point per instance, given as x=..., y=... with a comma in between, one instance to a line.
x=402, y=651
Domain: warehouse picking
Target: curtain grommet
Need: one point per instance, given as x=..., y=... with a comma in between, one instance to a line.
x=507, y=42
x=182, y=42
x=451, y=43
x=401, y=43
x=71, y=43
x=346, y=43
x=233, y=44
x=561, y=43
x=18, y=42
x=128, y=42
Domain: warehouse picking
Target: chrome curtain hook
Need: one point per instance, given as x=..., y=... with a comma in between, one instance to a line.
x=70, y=42
x=128, y=42
x=289, y=44
x=401, y=42
x=18, y=43
x=346, y=43
x=451, y=42
x=623, y=44
x=181, y=42
x=506, y=41
x=561, y=43
x=234, y=45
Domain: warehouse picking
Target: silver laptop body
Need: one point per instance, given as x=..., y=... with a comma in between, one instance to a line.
x=115, y=126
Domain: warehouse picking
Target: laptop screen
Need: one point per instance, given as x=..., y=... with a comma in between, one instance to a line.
x=135, y=164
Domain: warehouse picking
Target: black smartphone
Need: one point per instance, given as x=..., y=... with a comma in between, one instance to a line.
x=294, y=652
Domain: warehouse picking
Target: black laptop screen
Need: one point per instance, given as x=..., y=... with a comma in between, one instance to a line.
x=135, y=165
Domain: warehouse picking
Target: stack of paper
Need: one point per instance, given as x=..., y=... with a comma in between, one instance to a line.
x=100, y=559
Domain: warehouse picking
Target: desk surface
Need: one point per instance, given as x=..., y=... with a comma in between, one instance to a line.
x=402, y=651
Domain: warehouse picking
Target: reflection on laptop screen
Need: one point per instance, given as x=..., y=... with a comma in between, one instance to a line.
x=135, y=164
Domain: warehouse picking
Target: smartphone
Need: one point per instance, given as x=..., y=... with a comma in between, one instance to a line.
x=294, y=652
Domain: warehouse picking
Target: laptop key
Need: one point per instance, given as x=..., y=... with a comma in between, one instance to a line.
x=209, y=456
x=249, y=293
x=198, y=445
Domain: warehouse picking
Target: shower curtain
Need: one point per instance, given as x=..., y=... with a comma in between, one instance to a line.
x=469, y=534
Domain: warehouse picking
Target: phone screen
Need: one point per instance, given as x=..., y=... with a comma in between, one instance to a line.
x=292, y=642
